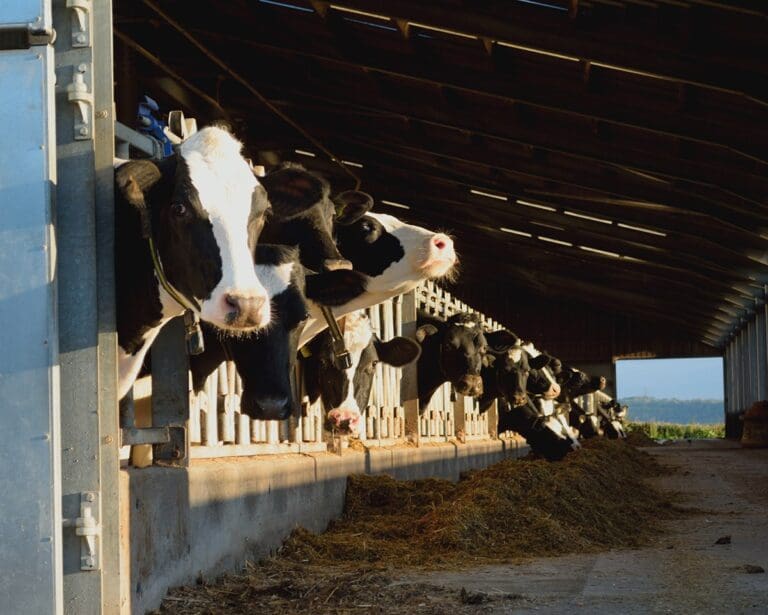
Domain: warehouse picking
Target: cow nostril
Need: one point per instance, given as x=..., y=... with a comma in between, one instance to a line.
x=232, y=301
x=439, y=243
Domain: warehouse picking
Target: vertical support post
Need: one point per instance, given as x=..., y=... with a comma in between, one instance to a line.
x=170, y=393
x=409, y=387
x=86, y=301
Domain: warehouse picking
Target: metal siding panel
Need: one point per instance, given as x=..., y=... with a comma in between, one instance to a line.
x=25, y=11
x=30, y=558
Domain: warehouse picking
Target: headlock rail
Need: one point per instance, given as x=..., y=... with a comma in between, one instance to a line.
x=217, y=428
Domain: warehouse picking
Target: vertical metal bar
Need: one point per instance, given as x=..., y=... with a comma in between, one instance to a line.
x=409, y=389
x=90, y=458
x=170, y=392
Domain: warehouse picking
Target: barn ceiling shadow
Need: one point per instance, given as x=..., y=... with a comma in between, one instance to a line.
x=601, y=163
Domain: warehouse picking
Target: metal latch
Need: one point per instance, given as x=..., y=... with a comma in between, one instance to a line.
x=82, y=99
x=87, y=526
x=81, y=22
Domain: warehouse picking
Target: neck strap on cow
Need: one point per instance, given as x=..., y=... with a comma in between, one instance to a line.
x=341, y=356
x=192, y=330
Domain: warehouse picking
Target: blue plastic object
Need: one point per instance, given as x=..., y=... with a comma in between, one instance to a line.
x=153, y=127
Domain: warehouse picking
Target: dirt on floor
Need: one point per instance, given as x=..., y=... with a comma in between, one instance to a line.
x=380, y=557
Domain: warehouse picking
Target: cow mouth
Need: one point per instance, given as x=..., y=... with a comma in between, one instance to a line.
x=343, y=421
x=438, y=267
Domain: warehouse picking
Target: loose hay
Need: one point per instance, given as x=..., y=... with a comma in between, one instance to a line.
x=595, y=499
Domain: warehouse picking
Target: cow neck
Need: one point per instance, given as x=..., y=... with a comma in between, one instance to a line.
x=431, y=356
x=193, y=332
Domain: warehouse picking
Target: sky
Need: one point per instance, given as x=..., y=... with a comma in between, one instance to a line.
x=671, y=378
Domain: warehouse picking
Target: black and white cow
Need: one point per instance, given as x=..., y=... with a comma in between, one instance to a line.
x=311, y=230
x=506, y=369
x=344, y=394
x=266, y=359
x=553, y=435
x=575, y=383
x=451, y=351
x=395, y=255
x=206, y=210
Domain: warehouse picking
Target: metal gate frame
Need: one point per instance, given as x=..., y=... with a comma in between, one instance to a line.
x=86, y=306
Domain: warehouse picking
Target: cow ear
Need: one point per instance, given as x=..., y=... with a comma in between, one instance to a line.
x=398, y=351
x=292, y=190
x=539, y=362
x=424, y=331
x=501, y=341
x=351, y=205
x=333, y=288
x=135, y=178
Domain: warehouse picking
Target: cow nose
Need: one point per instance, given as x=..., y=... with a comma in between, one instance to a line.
x=245, y=310
x=470, y=385
x=441, y=242
x=267, y=407
x=519, y=400
x=334, y=264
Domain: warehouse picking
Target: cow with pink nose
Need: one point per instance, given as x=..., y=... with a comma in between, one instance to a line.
x=345, y=393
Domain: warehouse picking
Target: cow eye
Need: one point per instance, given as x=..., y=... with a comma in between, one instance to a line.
x=179, y=210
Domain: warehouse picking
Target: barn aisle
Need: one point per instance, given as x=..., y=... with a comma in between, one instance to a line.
x=684, y=571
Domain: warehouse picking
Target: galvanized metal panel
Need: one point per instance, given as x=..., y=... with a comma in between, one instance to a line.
x=30, y=557
x=25, y=12
x=85, y=227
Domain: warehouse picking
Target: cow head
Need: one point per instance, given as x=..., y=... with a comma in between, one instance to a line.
x=266, y=359
x=206, y=210
x=345, y=393
x=508, y=365
x=395, y=254
x=310, y=229
x=462, y=348
x=540, y=379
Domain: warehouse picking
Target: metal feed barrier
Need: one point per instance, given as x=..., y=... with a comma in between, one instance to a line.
x=215, y=427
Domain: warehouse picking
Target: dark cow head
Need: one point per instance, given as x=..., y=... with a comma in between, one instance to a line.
x=541, y=381
x=508, y=367
x=345, y=393
x=266, y=359
x=311, y=229
x=462, y=346
x=392, y=252
x=206, y=210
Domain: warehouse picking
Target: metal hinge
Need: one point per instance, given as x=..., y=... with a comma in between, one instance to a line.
x=24, y=36
x=87, y=526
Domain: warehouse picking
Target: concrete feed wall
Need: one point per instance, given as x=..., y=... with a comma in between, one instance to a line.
x=178, y=523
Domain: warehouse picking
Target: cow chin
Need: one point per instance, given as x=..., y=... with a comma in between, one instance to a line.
x=438, y=268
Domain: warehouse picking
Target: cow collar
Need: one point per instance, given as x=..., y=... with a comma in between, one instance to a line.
x=194, y=335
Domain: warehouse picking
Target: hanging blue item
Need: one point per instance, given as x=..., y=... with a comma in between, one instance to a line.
x=153, y=127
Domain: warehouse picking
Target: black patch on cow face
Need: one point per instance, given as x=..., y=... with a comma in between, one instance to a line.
x=308, y=228
x=512, y=378
x=463, y=346
x=369, y=246
x=334, y=288
x=538, y=383
x=265, y=359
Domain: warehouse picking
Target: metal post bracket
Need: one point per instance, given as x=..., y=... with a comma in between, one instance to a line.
x=81, y=22
x=87, y=526
x=79, y=95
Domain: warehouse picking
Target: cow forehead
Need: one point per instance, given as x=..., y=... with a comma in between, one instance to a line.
x=221, y=176
x=397, y=227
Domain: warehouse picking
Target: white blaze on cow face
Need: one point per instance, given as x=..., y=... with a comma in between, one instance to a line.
x=554, y=390
x=357, y=336
x=225, y=185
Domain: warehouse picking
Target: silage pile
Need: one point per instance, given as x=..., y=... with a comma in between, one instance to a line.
x=593, y=500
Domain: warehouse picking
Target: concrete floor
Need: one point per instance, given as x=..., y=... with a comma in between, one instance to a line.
x=684, y=571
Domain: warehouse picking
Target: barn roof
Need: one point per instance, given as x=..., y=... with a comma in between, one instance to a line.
x=609, y=153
